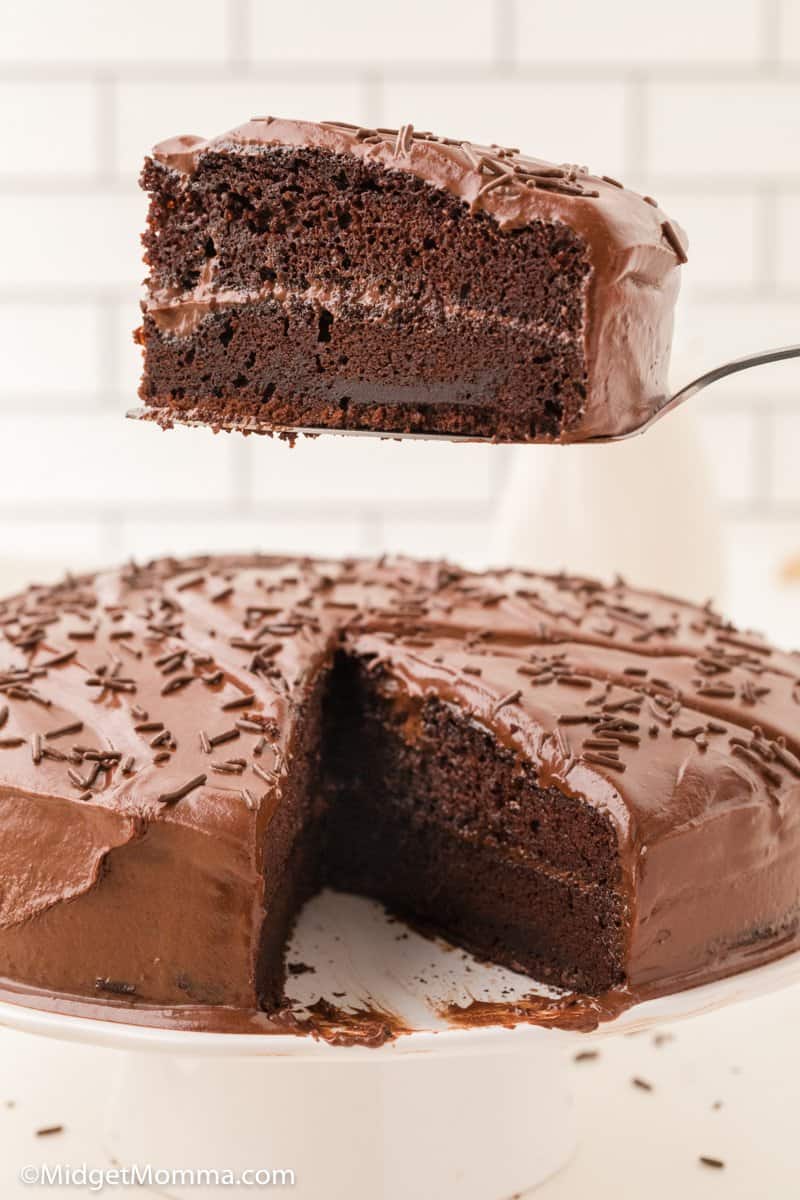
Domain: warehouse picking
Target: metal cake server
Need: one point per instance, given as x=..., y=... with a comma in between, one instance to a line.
x=669, y=405
x=703, y=381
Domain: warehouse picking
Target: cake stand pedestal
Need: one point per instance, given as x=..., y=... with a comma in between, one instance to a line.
x=440, y=1113
x=476, y=1126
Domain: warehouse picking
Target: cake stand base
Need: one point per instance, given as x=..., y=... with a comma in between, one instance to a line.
x=477, y=1126
x=444, y=1111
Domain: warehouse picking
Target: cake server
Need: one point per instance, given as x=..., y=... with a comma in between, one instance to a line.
x=670, y=404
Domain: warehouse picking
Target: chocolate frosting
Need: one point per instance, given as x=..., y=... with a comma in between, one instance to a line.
x=147, y=726
x=634, y=250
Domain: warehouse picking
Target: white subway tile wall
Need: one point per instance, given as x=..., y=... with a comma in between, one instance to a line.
x=789, y=31
x=699, y=106
x=197, y=107
x=585, y=119
x=786, y=478
x=628, y=32
x=787, y=236
x=721, y=131
x=370, y=35
x=97, y=34
x=31, y=110
x=70, y=239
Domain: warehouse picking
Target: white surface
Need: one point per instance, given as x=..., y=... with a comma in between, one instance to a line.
x=741, y=1056
x=469, y=1127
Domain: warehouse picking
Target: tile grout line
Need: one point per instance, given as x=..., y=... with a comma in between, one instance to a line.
x=372, y=532
x=762, y=458
x=770, y=35
x=399, y=71
x=766, y=239
x=239, y=27
x=636, y=120
x=111, y=534
x=506, y=34
x=372, y=99
x=106, y=120
x=241, y=491
x=326, y=513
x=107, y=317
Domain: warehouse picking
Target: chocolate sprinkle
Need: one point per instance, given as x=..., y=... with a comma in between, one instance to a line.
x=116, y=987
x=64, y=730
x=179, y=792
x=220, y=738
x=239, y=702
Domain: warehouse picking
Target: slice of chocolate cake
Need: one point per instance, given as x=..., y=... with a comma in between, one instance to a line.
x=329, y=276
x=598, y=786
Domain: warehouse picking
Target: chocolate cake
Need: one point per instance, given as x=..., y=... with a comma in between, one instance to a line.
x=330, y=276
x=596, y=785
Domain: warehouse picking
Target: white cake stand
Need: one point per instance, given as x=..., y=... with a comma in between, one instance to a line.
x=477, y=1113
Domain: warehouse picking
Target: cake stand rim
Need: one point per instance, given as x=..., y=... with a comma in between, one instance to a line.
x=691, y=1002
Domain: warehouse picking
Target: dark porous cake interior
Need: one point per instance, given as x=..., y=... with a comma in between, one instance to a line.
x=308, y=276
x=431, y=816
x=428, y=300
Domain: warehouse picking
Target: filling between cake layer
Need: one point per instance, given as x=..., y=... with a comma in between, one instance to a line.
x=344, y=288
x=427, y=813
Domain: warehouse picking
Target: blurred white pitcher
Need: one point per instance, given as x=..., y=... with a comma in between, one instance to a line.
x=645, y=509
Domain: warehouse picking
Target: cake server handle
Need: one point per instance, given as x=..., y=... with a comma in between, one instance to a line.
x=703, y=381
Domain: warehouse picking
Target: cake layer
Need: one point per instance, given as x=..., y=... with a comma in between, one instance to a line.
x=430, y=815
x=462, y=373
x=597, y=784
x=304, y=220
x=391, y=280
x=519, y=915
